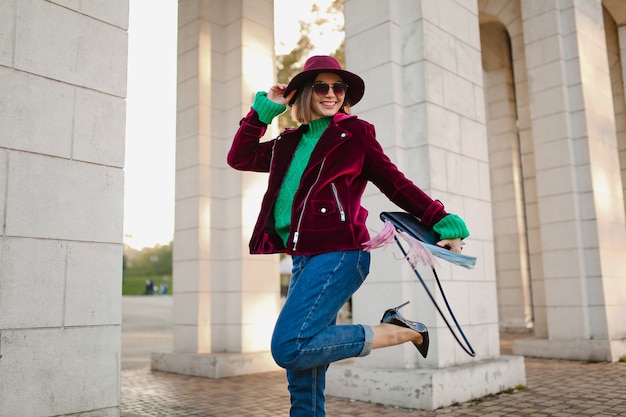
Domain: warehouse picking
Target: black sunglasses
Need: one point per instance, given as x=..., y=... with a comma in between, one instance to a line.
x=321, y=88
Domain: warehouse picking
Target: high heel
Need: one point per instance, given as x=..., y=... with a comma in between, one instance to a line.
x=392, y=316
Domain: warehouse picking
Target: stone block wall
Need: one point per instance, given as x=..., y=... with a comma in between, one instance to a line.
x=62, y=126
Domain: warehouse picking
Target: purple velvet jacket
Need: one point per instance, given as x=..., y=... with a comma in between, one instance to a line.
x=327, y=214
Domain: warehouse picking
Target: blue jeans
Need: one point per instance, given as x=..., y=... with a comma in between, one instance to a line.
x=306, y=338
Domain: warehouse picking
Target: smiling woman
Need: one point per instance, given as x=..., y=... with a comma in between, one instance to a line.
x=317, y=174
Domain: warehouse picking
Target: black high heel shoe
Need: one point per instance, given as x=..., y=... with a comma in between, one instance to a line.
x=392, y=316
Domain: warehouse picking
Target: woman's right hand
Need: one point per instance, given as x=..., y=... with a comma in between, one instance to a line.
x=276, y=93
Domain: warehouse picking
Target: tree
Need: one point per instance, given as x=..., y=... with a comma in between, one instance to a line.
x=291, y=63
x=148, y=261
x=340, y=54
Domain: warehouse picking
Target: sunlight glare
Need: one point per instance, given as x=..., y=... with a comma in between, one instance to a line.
x=150, y=124
x=287, y=17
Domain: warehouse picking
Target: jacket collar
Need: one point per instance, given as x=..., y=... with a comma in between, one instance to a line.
x=337, y=118
x=340, y=117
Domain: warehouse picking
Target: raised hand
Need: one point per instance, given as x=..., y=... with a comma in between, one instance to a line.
x=276, y=93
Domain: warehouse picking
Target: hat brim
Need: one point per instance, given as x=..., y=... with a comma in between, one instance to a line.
x=356, y=85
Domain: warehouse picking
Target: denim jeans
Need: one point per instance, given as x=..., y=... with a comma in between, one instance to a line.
x=306, y=338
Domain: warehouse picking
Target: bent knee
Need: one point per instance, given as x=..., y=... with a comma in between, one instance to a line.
x=285, y=354
x=280, y=361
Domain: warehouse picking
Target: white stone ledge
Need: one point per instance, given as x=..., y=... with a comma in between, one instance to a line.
x=214, y=365
x=575, y=350
x=425, y=389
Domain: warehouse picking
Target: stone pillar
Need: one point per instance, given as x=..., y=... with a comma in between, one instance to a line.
x=421, y=64
x=225, y=301
x=581, y=206
x=62, y=118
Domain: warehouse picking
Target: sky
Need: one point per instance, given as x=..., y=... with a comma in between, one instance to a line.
x=151, y=108
x=150, y=123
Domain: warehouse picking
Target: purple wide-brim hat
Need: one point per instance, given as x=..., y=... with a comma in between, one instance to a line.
x=324, y=63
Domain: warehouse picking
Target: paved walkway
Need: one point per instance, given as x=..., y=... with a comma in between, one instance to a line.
x=554, y=388
x=146, y=327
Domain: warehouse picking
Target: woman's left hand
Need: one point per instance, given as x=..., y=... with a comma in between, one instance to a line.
x=454, y=245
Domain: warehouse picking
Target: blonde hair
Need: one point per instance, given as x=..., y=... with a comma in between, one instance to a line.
x=301, y=110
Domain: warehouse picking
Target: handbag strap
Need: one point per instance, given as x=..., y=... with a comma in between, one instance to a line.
x=412, y=225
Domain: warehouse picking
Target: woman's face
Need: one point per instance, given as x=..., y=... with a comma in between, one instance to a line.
x=329, y=103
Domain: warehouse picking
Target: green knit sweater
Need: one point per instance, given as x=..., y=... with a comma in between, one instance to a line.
x=284, y=201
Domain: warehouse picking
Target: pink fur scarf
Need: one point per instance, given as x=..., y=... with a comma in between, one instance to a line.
x=418, y=252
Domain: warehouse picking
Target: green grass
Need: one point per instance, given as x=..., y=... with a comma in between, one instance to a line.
x=476, y=401
x=137, y=285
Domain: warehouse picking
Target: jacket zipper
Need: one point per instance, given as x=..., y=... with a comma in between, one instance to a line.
x=339, y=206
x=296, y=234
x=273, y=151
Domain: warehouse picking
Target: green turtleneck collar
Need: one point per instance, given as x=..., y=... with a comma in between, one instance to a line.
x=317, y=127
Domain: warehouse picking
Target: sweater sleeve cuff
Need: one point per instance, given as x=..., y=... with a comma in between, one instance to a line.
x=451, y=227
x=266, y=108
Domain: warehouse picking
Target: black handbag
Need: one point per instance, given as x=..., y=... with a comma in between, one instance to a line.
x=422, y=239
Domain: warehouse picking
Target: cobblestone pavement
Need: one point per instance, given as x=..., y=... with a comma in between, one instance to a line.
x=553, y=388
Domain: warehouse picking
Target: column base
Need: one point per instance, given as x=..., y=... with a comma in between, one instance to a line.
x=214, y=365
x=575, y=350
x=426, y=389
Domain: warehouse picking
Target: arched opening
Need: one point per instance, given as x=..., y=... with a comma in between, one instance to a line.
x=616, y=64
x=507, y=178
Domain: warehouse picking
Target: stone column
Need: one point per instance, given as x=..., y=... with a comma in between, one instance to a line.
x=581, y=206
x=225, y=301
x=421, y=64
x=62, y=117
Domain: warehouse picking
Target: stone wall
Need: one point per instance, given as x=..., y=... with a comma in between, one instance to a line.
x=62, y=127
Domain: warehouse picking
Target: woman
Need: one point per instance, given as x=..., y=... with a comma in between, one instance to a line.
x=312, y=211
